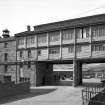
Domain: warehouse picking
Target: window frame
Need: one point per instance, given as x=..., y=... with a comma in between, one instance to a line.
x=5, y=56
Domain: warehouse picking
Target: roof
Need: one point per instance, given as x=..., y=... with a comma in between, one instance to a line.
x=83, y=21
x=24, y=33
x=71, y=23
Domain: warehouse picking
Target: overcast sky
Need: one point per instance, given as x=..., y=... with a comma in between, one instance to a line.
x=17, y=14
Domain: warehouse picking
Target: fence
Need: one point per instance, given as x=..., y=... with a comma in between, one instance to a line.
x=93, y=95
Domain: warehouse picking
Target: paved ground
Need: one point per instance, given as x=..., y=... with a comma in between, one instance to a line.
x=48, y=95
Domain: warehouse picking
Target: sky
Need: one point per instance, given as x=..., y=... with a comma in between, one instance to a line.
x=15, y=15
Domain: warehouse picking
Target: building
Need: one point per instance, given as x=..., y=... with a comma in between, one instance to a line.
x=7, y=56
x=75, y=41
x=32, y=54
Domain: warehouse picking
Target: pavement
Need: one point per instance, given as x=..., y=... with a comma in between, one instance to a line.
x=47, y=95
x=50, y=95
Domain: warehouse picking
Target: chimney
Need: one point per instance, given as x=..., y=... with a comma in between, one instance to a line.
x=5, y=33
x=28, y=28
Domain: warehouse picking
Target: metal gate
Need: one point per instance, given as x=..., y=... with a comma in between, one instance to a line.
x=90, y=94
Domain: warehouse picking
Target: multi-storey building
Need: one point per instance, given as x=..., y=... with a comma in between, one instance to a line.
x=76, y=41
x=8, y=56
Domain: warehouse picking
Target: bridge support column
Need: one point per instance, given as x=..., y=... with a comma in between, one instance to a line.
x=77, y=73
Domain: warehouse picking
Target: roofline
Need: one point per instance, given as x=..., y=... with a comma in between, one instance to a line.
x=24, y=33
x=71, y=23
x=73, y=19
x=65, y=24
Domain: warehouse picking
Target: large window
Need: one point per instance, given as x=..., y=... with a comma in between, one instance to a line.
x=98, y=31
x=31, y=40
x=54, y=36
x=78, y=49
x=68, y=34
x=54, y=50
x=42, y=38
x=71, y=49
x=98, y=47
x=21, y=41
x=82, y=33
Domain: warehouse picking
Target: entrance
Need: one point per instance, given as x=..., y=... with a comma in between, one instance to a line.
x=63, y=74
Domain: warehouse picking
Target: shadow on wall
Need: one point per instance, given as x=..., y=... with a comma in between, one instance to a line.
x=34, y=92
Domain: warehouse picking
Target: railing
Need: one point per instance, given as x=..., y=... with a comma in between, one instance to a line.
x=90, y=94
x=22, y=80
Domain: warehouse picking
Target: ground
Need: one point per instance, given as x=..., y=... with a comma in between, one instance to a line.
x=48, y=95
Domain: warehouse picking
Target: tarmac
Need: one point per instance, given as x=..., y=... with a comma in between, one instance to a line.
x=48, y=95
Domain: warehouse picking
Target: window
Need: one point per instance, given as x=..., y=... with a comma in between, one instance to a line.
x=5, y=45
x=21, y=41
x=86, y=32
x=6, y=68
x=21, y=54
x=39, y=52
x=79, y=33
x=78, y=49
x=54, y=36
x=31, y=39
x=98, y=47
x=54, y=51
x=98, y=31
x=42, y=38
x=21, y=65
x=5, y=56
x=29, y=65
x=71, y=49
x=29, y=53
x=68, y=34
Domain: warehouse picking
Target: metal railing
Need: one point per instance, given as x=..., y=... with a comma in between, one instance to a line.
x=89, y=94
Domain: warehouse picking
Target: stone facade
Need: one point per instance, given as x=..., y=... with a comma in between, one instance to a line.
x=8, y=57
x=32, y=53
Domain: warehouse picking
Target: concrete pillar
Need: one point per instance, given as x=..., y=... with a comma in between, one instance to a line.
x=77, y=73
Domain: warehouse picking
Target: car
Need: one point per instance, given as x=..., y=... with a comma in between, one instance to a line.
x=87, y=76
